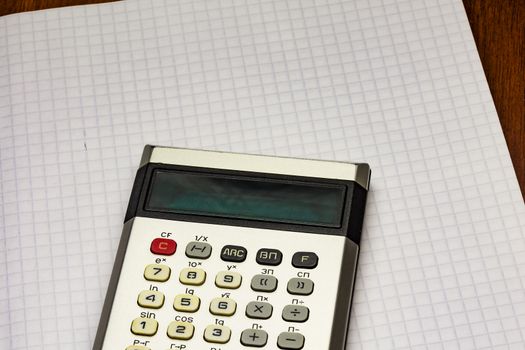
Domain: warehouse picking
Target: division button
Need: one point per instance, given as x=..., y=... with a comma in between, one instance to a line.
x=254, y=337
x=233, y=253
x=300, y=286
x=288, y=340
x=151, y=299
x=180, y=330
x=217, y=334
x=264, y=283
x=223, y=306
x=163, y=246
x=305, y=260
x=144, y=326
x=198, y=250
x=186, y=303
x=295, y=313
x=259, y=310
x=157, y=272
x=192, y=276
x=228, y=280
x=266, y=256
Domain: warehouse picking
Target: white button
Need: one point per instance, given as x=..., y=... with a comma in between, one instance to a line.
x=228, y=279
x=223, y=306
x=151, y=299
x=180, y=330
x=217, y=334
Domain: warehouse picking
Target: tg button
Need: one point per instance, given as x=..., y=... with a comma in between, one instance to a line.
x=163, y=246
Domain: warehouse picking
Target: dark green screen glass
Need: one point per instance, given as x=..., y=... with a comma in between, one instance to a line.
x=247, y=198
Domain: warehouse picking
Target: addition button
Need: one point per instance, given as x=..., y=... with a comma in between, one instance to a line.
x=254, y=338
x=305, y=260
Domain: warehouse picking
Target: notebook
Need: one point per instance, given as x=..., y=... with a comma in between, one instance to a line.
x=394, y=83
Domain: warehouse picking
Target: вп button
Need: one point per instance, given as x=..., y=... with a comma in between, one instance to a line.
x=163, y=246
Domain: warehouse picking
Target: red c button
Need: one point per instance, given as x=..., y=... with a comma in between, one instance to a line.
x=163, y=246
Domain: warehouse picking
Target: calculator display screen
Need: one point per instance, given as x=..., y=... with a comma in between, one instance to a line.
x=274, y=200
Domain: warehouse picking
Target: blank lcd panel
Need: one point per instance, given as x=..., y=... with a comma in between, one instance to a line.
x=275, y=200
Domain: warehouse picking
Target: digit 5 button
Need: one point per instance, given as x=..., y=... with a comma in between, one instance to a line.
x=163, y=246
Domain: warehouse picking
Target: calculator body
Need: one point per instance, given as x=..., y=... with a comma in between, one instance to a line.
x=231, y=251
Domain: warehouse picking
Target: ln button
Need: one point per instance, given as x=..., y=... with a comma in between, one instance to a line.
x=163, y=246
x=305, y=260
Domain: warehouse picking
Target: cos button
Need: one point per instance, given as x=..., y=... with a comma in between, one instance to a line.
x=233, y=253
x=305, y=260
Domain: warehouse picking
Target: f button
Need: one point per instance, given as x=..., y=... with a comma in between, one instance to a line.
x=163, y=246
x=305, y=260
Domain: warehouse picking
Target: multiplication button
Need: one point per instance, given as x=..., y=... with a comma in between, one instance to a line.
x=295, y=313
x=264, y=283
x=254, y=337
x=186, y=303
x=300, y=286
x=259, y=310
x=288, y=340
x=198, y=250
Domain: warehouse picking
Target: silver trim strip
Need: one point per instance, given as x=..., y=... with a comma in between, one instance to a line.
x=359, y=173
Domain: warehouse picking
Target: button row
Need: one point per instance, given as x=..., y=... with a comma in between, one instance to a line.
x=234, y=253
x=228, y=279
x=213, y=334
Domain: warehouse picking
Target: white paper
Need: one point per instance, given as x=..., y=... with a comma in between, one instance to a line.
x=395, y=83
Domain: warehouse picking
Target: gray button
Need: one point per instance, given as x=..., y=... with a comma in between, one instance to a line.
x=260, y=310
x=198, y=250
x=288, y=340
x=254, y=337
x=295, y=313
x=264, y=283
x=300, y=286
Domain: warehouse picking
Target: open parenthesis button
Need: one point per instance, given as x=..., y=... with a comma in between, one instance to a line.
x=163, y=246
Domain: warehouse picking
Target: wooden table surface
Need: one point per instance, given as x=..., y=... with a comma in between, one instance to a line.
x=499, y=30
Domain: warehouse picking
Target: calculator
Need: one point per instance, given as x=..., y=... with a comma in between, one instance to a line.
x=226, y=251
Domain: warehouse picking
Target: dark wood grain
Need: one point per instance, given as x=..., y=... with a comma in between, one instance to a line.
x=499, y=31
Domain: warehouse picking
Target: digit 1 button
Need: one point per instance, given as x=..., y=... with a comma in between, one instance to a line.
x=223, y=306
x=233, y=253
x=305, y=260
x=180, y=330
x=267, y=256
x=156, y=272
x=198, y=250
x=191, y=276
x=151, y=299
x=144, y=326
x=217, y=334
x=228, y=280
x=254, y=337
x=289, y=340
x=300, y=286
x=163, y=246
x=186, y=303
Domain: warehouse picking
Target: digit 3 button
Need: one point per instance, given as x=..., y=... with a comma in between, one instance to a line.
x=305, y=260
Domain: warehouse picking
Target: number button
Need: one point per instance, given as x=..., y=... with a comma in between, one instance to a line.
x=229, y=280
x=264, y=283
x=254, y=337
x=137, y=347
x=300, y=286
x=259, y=310
x=223, y=306
x=217, y=334
x=158, y=273
x=180, y=330
x=151, y=299
x=295, y=313
x=191, y=276
x=186, y=303
x=305, y=260
x=288, y=340
x=163, y=246
x=144, y=326
x=198, y=250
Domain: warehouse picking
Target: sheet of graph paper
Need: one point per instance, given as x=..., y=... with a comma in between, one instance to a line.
x=395, y=83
